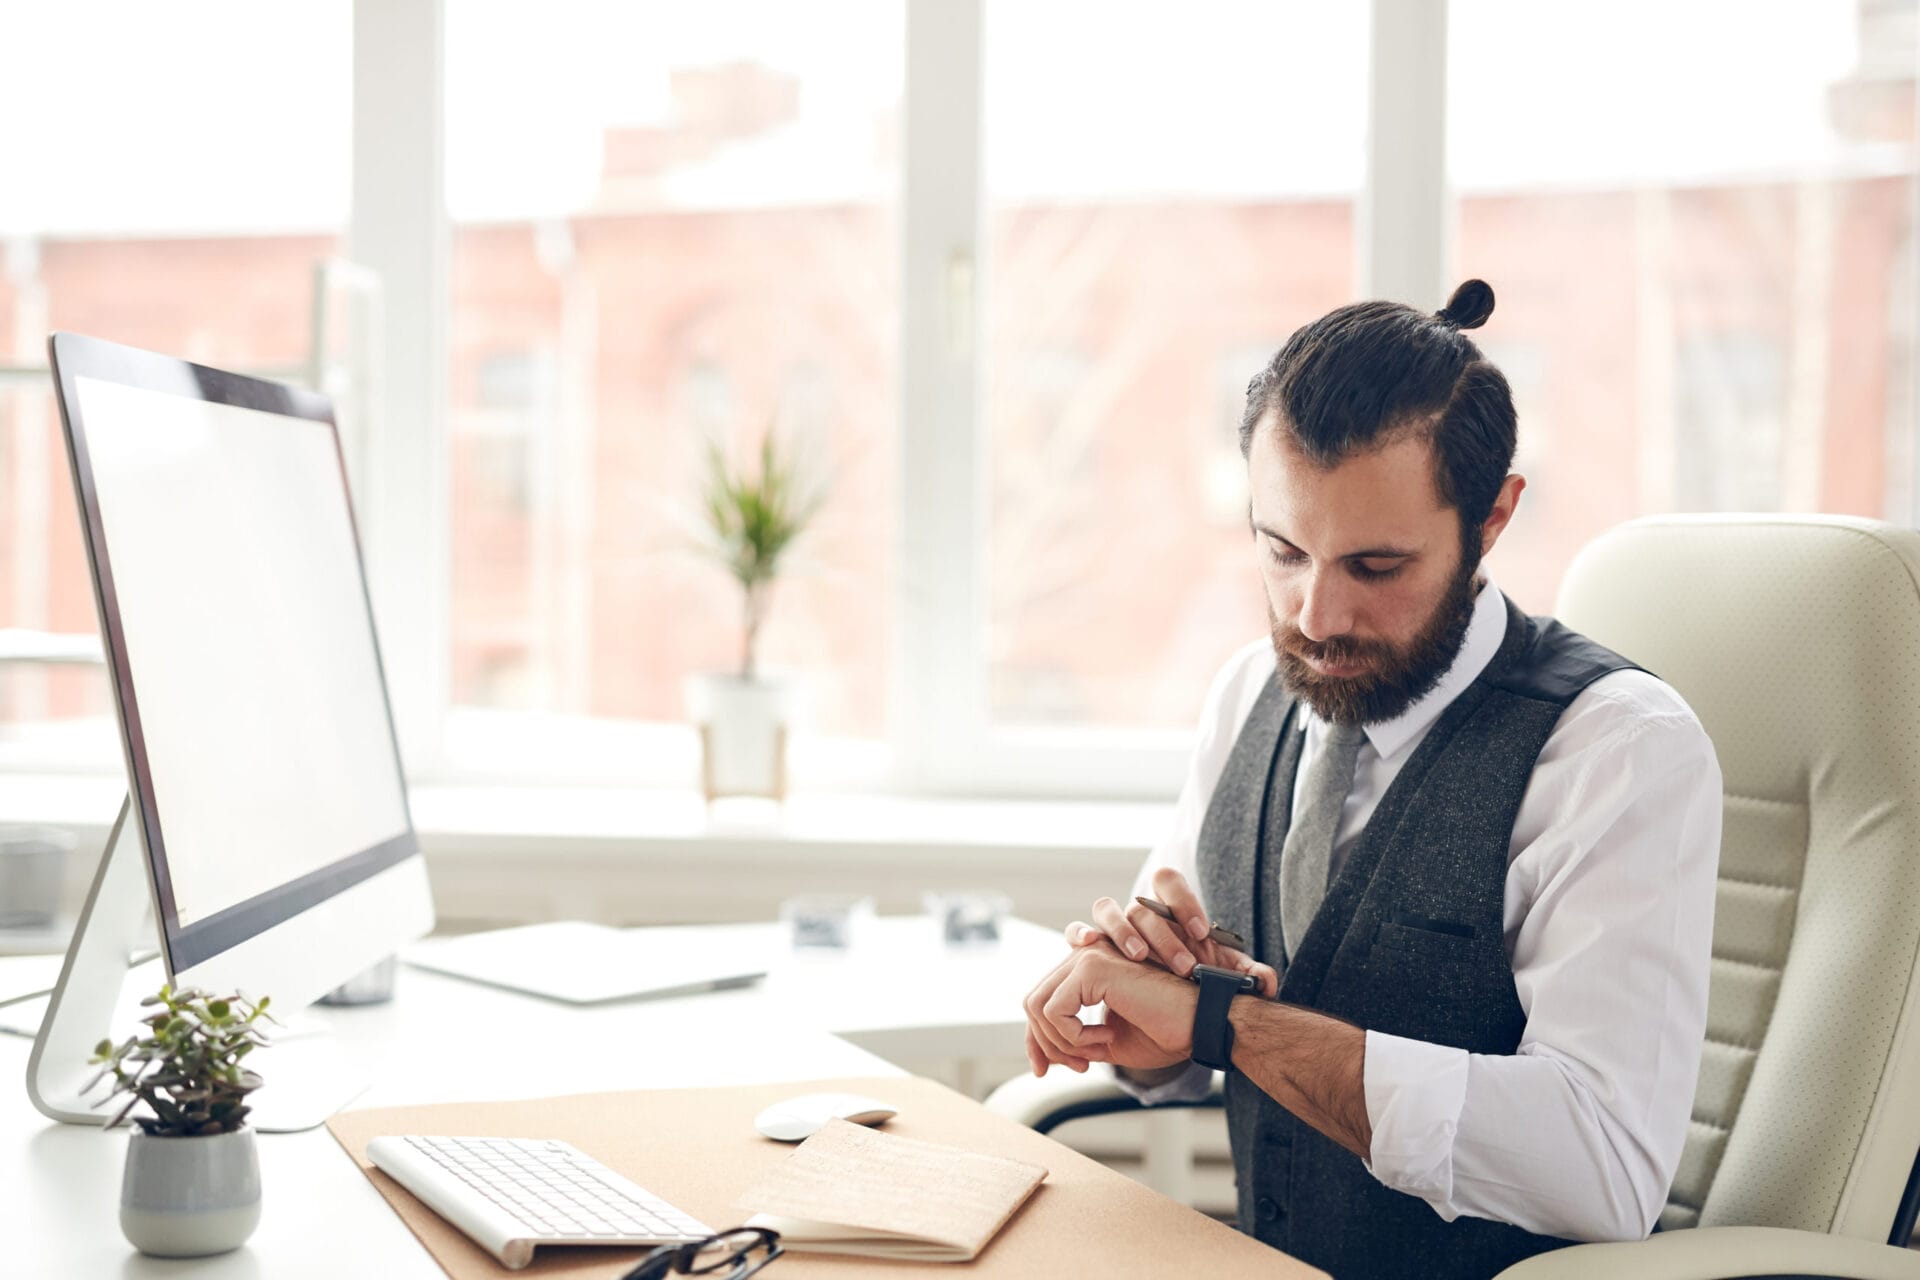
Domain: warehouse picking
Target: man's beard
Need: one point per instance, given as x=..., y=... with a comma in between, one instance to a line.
x=1397, y=676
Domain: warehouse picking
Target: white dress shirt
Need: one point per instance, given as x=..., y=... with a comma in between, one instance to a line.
x=1608, y=921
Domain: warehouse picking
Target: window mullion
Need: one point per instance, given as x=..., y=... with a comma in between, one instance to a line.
x=941, y=667
x=399, y=230
x=1403, y=211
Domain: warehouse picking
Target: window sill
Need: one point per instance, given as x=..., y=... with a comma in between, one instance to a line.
x=501, y=854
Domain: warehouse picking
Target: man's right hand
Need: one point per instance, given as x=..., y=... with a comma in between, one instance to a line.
x=1141, y=935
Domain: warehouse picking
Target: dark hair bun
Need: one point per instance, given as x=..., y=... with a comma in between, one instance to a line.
x=1469, y=306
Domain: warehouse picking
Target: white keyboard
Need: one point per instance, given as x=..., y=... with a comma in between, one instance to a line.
x=510, y=1194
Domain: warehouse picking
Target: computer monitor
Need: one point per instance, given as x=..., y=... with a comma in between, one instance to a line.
x=265, y=785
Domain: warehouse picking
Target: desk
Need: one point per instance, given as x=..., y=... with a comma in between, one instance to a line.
x=322, y=1220
x=898, y=991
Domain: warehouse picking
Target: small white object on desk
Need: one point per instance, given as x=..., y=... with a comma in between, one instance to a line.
x=797, y=1119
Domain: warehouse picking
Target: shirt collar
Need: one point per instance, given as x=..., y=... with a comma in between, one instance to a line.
x=1485, y=631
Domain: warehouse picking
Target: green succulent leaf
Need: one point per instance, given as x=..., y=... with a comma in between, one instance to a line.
x=186, y=1072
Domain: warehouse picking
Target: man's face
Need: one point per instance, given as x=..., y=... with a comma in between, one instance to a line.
x=1368, y=593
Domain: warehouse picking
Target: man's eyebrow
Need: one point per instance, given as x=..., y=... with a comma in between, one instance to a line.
x=1371, y=553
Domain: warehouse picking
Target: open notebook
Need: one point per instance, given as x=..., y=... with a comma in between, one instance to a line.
x=853, y=1190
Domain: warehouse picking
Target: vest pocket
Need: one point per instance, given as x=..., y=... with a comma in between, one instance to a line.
x=1427, y=960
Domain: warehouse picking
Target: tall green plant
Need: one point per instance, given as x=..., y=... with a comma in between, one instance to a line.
x=754, y=519
x=187, y=1067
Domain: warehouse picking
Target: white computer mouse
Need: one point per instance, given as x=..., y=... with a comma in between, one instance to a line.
x=796, y=1119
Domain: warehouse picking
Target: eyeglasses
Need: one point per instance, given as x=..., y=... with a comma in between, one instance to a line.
x=731, y=1255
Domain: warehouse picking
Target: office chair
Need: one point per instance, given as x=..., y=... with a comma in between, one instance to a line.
x=1796, y=639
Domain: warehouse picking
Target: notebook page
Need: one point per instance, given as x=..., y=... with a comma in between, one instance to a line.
x=852, y=1176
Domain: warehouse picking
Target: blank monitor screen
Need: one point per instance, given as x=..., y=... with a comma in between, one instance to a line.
x=236, y=613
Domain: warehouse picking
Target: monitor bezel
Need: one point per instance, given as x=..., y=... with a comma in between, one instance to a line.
x=74, y=356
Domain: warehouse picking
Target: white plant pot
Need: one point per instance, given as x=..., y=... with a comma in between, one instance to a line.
x=189, y=1197
x=743, y=734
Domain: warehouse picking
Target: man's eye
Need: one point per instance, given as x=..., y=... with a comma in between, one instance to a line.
x=1285, y=555
x=1363, y=570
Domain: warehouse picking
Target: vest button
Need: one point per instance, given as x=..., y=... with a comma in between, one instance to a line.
x=1268, y=1209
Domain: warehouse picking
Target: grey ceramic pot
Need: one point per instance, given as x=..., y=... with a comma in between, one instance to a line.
x=189, y=1197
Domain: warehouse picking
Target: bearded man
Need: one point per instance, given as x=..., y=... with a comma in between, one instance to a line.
x=1471, y=854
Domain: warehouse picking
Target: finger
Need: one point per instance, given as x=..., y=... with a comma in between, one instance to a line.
x=1225, y=957
x=1057, y=1047
x=1045, y=1040
x=1082, y=934
x=1061, y=1009
x=1057, y=1024
x=1035, y=1058
x=1165, y=942
x=1110, y=919
x=1051, y=1054
x=1044, y=988
x=1172, y=888
x=1265, y=974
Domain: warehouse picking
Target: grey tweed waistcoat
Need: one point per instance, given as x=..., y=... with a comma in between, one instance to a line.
x=1408, y=941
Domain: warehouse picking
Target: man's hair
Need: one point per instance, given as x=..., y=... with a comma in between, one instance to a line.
x=1370, y=373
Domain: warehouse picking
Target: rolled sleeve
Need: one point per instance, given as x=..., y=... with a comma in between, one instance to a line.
x=1415, y=1092
x=1579, y=1131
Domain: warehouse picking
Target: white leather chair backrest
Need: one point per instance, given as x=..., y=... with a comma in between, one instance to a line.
x=1796, y=639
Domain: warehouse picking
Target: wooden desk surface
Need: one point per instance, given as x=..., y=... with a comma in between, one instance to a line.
x=698, y=1148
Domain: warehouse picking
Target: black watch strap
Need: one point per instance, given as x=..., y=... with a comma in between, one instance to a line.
x=1212, y=1033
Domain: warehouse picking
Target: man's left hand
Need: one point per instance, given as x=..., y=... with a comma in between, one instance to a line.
x=1149, y=1014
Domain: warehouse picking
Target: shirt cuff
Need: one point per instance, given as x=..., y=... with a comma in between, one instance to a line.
x=1191, y=1085
x=1415, y=1091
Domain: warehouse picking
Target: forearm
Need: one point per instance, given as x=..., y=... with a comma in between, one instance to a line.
x=1311, y=1064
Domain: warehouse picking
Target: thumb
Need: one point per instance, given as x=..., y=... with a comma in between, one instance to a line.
x=1264, y=974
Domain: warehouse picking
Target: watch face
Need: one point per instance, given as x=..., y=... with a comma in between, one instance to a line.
x=1242, y=981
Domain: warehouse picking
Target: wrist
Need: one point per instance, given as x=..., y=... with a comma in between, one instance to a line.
x=1213, y=1032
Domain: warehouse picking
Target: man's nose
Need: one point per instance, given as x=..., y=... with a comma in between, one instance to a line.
x=1326, y=610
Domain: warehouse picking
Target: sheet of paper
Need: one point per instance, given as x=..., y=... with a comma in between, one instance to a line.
x=853, y=1176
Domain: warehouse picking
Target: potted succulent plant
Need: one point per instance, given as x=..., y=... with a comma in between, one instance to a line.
x=192, y=1180
x=751, y=521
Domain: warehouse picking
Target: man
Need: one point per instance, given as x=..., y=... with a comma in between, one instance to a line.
x=1472, y=853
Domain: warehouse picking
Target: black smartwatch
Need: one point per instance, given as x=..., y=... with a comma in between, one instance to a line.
x=1212, y=1033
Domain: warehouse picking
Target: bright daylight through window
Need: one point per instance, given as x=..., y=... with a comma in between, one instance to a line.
x=151, y=236
x=1705, y=284
x=679, y=228
x=669, y=226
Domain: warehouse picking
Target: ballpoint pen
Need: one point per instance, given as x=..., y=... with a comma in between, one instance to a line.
x=1225, y=937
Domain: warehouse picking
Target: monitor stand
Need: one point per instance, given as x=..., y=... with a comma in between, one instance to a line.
x=308, y=1076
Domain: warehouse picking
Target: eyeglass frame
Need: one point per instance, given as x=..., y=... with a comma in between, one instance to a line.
x=677, y=1259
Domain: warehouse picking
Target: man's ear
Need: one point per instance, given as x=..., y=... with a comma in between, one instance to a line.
x=1504, y=504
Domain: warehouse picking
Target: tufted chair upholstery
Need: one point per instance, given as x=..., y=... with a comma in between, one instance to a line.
x=1796, y=639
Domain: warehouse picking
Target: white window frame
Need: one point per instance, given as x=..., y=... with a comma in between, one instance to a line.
x=398, y=228
x=945, y=740
x=941, y=738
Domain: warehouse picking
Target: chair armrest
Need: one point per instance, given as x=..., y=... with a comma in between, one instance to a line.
x=1034, y=1100
x=1724, y=1253
x=1045, y=1102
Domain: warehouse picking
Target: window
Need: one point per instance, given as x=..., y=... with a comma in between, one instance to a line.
x=179, y=200
x=1153, y=236
x=678, y=227
x=1003, y=269
x=1710, y=267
